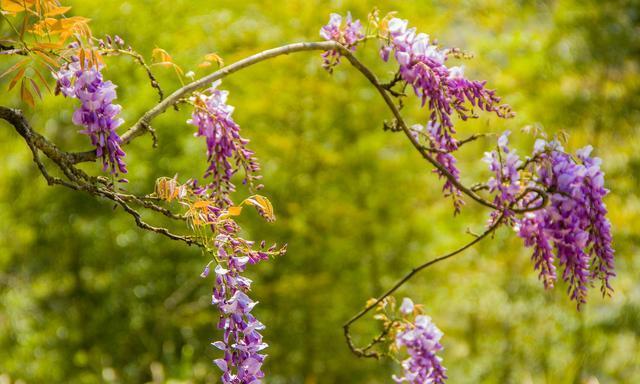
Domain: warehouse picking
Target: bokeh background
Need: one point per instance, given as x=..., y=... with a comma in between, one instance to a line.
x=86, y=297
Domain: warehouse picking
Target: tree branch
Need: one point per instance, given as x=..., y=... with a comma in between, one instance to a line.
x=80, y=181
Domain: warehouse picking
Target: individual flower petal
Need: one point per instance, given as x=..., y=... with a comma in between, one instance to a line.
x=407, y=306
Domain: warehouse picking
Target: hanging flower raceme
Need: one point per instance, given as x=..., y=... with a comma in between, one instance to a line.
x=226, y=149
x=421, y=339
x=97, y=113
x=443, y=89
x=241, y=342
x=349, y=34
x=572, y=228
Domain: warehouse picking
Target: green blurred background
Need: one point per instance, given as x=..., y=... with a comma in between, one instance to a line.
x=86, y=297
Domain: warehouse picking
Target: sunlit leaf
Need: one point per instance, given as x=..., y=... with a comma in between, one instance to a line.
x=26, y=95
x=202, y=204
x=42, y=79
x=57, y=11
x=263, y=205
x=11, y=6
x=83, y=58
x=14, y=67
x=64, y=28
x=214, y=58
x=159, y=55
x=17, y=77
x=56, y=45
x=35, y=88
x=51, y=61
x=234, y=211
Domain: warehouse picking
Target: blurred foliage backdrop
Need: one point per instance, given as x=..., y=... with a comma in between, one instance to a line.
x=86, y=297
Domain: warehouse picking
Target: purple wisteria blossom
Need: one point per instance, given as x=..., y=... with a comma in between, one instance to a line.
x=241, y=342
x=97, y=113
x=443, y=89
x=600, y=231
x=349, y=35
x=532, y=228
x=421, y=338
x=573, y=227
x=226, y=149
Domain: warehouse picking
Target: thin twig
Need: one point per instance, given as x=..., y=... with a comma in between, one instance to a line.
x=190, y=240
x=407, y=277
x=140, y=60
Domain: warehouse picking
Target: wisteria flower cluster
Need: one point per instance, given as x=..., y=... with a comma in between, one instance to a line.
x=242, y=341
x=421, y=339
x=226, y=150
x=572, y=227
x=349, y=35
x=443, y=89
x=97, y=113
x=574, y=224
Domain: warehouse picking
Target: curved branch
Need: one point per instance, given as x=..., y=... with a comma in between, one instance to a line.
x=143, y=124
x=190, y=240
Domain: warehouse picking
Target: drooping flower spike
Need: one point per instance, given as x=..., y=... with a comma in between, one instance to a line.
x=97, y=113
x=226, y=150
x=242, y=342
x=444, y=90
x=420, y=337
x=572, y=229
